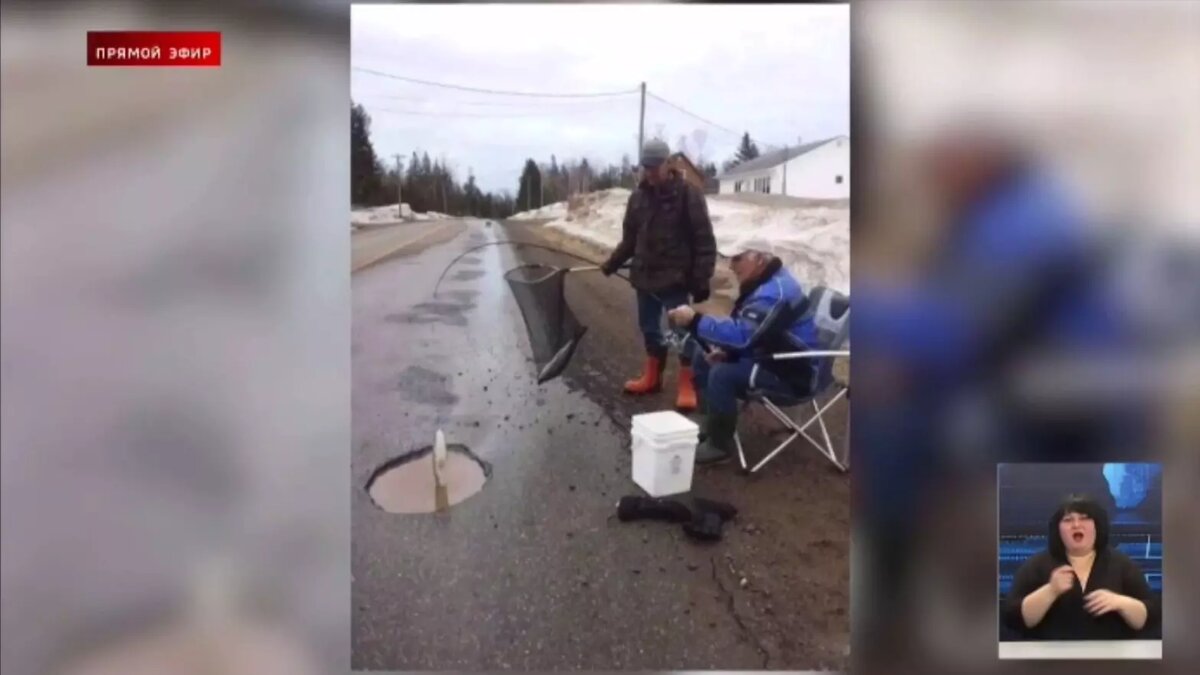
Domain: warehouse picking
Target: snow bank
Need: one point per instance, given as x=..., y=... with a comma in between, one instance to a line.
x=557, y=210
x=379, y=215
x=383, y=215
x=431, y=215
x=814, y=242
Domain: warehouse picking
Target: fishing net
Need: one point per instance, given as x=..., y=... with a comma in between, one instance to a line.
x=553, y=330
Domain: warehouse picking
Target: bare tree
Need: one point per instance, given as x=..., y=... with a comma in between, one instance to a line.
x=699, y=138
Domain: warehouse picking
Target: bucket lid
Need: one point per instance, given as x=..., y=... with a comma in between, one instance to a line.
x=667, y=423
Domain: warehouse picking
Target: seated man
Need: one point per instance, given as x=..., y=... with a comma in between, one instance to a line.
x=768, y=318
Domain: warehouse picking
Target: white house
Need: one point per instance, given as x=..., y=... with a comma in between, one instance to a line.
x=818, y=170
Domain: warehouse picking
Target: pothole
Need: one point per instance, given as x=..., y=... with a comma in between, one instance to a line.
x=406, y=484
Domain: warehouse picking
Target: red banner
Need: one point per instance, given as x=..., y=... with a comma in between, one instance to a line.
x=143, y=48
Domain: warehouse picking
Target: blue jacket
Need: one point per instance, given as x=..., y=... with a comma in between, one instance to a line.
x=1016, y=268
x=766, y=319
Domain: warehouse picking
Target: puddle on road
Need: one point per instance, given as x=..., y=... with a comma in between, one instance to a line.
x=468, y=275
x=406, y=484
x=451, y=310
x=424, y=386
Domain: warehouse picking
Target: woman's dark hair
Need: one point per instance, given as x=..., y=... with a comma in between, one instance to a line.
x=1083, y=505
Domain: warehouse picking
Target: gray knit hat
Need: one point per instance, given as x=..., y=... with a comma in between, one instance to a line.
x=654, y=153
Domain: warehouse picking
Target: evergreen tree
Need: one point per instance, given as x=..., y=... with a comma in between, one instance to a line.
x=412, y=195
x=364, y=166
x=747, y=150
x=471, y=195
x=529, y=191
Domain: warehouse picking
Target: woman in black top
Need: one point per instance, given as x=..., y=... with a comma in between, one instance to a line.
x=1080, y=589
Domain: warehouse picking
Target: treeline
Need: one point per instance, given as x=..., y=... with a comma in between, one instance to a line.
x=430, y=185
x=551, y=182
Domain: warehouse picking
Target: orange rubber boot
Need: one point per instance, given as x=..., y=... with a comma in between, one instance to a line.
x=685, y=400
x=651, y=379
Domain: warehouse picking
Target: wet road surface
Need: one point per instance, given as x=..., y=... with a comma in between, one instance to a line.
x=535, y=572
x=371, y=246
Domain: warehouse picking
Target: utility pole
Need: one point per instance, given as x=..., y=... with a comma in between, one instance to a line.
x=399, y=188
x=785, y=163
x=642, y=125
x=542, y=187
x=445, y=209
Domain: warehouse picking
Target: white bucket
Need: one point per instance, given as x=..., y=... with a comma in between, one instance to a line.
x=664, y=452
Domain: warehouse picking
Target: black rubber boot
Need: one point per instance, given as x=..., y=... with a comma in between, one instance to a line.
x=725, y=510
x=718, y=446
x=635, y=507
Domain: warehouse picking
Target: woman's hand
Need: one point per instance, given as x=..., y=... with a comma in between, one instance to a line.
x=1101, y=602
x=1132, y=610
x=1062, y=579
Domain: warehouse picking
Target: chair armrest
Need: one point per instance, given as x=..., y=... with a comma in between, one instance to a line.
x=787, y=356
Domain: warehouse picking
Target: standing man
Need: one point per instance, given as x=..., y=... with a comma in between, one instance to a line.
x=669, y=237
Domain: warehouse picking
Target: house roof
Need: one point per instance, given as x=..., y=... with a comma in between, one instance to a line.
x=681, y=156
x=775, y=158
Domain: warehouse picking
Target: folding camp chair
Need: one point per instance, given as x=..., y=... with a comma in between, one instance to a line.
x=830, y=311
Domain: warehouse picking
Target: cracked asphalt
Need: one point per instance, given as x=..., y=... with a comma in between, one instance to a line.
x=535, y=572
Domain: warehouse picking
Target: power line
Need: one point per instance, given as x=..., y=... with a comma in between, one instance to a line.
x=491, y=91
x=692, y=114
x=777, y=146
x=434, y=113
x=563, y=105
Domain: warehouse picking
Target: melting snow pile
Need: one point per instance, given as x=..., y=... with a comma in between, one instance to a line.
x=814, y=242
x=381, y=215
x=557, y=210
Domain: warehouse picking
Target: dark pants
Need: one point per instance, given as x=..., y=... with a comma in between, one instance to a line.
x=652, y=312
x=723, y=384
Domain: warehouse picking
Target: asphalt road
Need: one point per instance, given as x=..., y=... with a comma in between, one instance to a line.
x=374, y=245
x=535, y=572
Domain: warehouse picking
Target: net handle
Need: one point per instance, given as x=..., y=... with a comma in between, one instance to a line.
x=585, y=268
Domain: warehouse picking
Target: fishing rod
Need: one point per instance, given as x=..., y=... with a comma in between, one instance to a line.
x=592, y=265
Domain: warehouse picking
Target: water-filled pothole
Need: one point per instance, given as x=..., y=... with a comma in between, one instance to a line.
x=407, y=484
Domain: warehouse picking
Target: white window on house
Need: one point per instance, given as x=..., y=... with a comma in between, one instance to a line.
x=838, y=180
x=767, y=185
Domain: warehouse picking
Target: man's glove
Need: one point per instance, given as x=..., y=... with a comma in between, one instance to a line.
x=608, y=268
x=700, y=293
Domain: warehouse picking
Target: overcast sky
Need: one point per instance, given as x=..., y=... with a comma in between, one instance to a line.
x=781, y=72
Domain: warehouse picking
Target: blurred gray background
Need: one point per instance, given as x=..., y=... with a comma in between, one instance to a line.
x=176, y=360
x=1102, y=99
